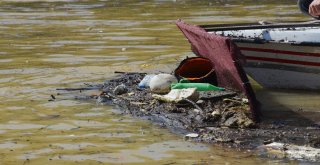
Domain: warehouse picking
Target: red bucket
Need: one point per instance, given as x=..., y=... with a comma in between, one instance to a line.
x=196, y=69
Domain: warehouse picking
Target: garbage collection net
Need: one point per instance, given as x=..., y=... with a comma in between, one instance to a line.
x=226, y=58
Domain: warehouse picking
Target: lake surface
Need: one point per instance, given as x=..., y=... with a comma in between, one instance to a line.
x=49, y=44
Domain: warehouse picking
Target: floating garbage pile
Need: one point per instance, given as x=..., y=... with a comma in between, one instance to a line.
x=185, y=108
x=186, y=102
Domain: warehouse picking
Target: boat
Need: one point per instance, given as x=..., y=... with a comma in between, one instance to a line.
x=278, y=55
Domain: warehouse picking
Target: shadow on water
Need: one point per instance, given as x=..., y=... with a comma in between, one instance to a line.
x=285, y=107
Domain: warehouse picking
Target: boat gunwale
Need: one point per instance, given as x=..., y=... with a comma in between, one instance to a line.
x=255, y=26
x=251, y=26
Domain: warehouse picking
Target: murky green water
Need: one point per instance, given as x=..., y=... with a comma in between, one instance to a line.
x=46, y=44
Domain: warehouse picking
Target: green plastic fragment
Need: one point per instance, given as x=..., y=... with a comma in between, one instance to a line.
x=199, y=86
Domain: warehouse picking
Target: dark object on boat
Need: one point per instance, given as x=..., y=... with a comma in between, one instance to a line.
x=196, y=69
x=304, y=7
x=227, y=59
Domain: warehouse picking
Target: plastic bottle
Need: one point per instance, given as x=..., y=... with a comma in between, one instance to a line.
x=199, y=86
x=161, y=83
x=145, y=82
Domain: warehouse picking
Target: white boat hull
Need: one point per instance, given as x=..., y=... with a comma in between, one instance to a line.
x=281, y=65
x=280, y=57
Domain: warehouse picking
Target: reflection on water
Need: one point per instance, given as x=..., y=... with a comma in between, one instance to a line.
x=18, y=126
x=49, y=44
x=12, y=145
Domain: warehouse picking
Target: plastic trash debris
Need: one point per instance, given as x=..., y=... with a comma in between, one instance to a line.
x=120, y=89
x=199, y=86
x=145, y=82
x=177, y=95
x=216, y=114
x=161, y=83
x=192, y=135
